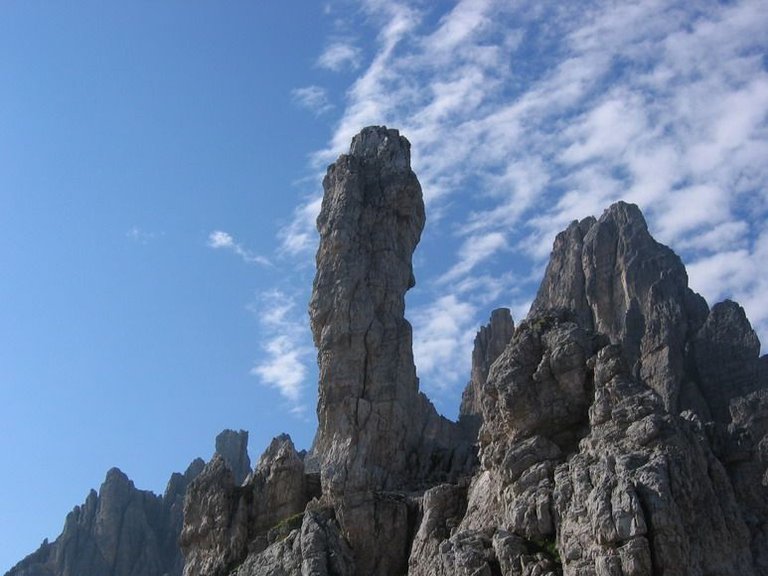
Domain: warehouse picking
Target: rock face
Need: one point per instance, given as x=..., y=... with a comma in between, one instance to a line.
x=376, y=432
x=611, y=443
x=121, y=531
x=224, y=520
x=620, y=282
x=621, y=429
x=490, y=342
x=233, y=448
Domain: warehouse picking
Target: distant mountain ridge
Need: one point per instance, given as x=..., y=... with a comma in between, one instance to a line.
x=621, y=429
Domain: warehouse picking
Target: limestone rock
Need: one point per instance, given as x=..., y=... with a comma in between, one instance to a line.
x=233, y=448
x=645, y=494
x=490, y=342
x=725, y=354
x=376, y=432
x=119, y=531
x=587, y=465
x=225, y=521
x=623, y=426
x=618, y=281
x=314, y=548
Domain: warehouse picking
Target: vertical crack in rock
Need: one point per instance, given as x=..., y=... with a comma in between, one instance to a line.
x=617, y=280
x=376, y=431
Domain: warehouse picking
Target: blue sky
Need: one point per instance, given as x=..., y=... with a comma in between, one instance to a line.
x=160, y=168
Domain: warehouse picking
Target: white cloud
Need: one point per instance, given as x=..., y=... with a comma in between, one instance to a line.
x=525, y=116
x=300, y=236
x=218, y=240
x=340, y=55
x=286, y=351
x=443, y=330
x=141, y=236
x=475, y=250
x=283, y=367
x=313, y=98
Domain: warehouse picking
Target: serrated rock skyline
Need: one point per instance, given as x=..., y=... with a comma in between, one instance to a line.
x=621, y=428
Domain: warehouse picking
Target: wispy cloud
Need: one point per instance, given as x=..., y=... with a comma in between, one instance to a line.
x=313, y=98
x=529, y=115
x=443, y=331
x=141, y=236
x=340, y=55
x=299, y=236
x=475, y=250
x=526, y=115
x=286, y=352
x=219, y=240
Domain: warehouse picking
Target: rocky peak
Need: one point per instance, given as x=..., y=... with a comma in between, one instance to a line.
x=225, y=520
x=383, y=146
x=376, y=431
x=120, y=531
x=371, y=219
x=623, y=425
x=490, y=342
x=617, y=280
x=232, y=446
x=725, y=353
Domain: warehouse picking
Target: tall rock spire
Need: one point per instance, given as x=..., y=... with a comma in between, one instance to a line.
x=376, y=430
x=370, y=222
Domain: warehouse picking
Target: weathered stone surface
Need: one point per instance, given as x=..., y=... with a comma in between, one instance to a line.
x=645, y=494
x=225, y=521
x=233, y=448
x=725, y=354
x=314, y=548
x=623, y=426
x=121, y=531
x=618, y=281
x=376, y=432
x=586, y=466
x=490, y=342
x=442, y=509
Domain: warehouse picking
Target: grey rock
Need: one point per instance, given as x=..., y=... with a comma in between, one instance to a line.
x=225, y=521
x=314, y=548
x=442, y=509
x=618, y=281
x=233, y=448
x=376, y=431
x=621, y=428
x=725, y=356
x=119, y=531
x=644, y=494
x=490, y=342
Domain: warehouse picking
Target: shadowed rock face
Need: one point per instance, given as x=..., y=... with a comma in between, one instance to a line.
x=588, y=465
x=225, y=520
x=233, y=448
x=121, y=531
x=617, y=280
x=490, y=342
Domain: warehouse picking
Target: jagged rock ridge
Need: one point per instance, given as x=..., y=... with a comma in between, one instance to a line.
x=119, y=531
x=620, y=429
x=622, y=425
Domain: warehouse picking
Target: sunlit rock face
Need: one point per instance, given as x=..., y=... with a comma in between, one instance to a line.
x=621, y=429
x=376, y=430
